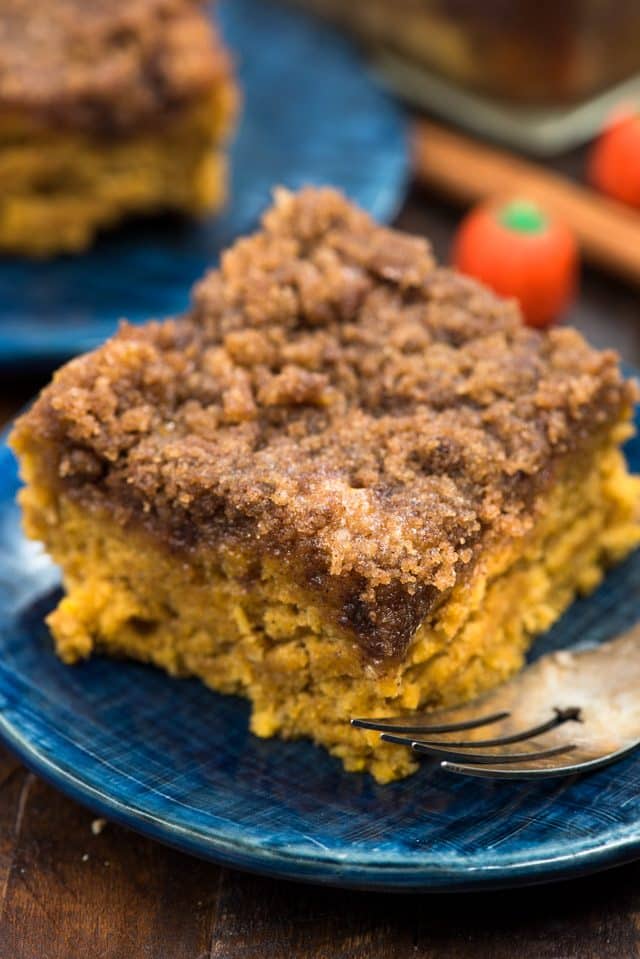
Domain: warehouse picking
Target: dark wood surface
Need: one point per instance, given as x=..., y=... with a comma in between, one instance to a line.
x=67, y=893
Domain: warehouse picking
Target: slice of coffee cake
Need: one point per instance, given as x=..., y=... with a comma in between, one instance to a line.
x=107, y=109
x=347, y=482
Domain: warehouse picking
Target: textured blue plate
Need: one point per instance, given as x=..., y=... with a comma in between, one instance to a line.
x=311, y=114
x=172, y=759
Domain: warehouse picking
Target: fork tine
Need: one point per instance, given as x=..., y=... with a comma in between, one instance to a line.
x=400, y=724
x=515, y=775
x=527, y=772
x=477, y=758
x=562, y=716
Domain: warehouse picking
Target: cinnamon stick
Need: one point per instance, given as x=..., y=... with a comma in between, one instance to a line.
x=469, y=171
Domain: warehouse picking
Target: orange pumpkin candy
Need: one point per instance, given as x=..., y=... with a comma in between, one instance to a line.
x=614, y=161
x=519, y=251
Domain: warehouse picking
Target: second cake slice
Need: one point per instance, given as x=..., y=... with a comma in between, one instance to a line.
x=106, y=110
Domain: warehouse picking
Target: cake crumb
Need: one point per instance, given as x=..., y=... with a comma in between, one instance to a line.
x=97, y=826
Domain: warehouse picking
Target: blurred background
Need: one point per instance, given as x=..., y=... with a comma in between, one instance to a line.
x=540, y=74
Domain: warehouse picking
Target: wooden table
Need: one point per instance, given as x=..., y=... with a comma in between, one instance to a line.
x=67, y=893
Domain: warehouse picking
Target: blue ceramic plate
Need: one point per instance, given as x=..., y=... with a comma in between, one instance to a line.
x=173, y=760
x=311, y=114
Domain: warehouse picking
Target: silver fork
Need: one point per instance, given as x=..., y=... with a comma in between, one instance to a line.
x=568, y=713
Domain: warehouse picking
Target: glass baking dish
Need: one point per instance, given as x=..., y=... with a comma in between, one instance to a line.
x=523, y=63
x=530, y=51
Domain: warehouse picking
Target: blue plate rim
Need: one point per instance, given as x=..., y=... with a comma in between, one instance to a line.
x=365, y=874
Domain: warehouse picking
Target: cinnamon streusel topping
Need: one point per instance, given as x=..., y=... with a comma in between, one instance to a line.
x=338, y=401
x=104, y=65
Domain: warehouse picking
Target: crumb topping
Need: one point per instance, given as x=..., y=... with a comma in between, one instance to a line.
x=105, y=65
x=334, y=399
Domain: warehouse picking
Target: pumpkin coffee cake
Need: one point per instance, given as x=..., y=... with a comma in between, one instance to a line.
x=347, y=483
x=107, y=107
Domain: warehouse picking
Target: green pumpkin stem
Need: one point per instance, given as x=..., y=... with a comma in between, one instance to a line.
x=523, y=216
